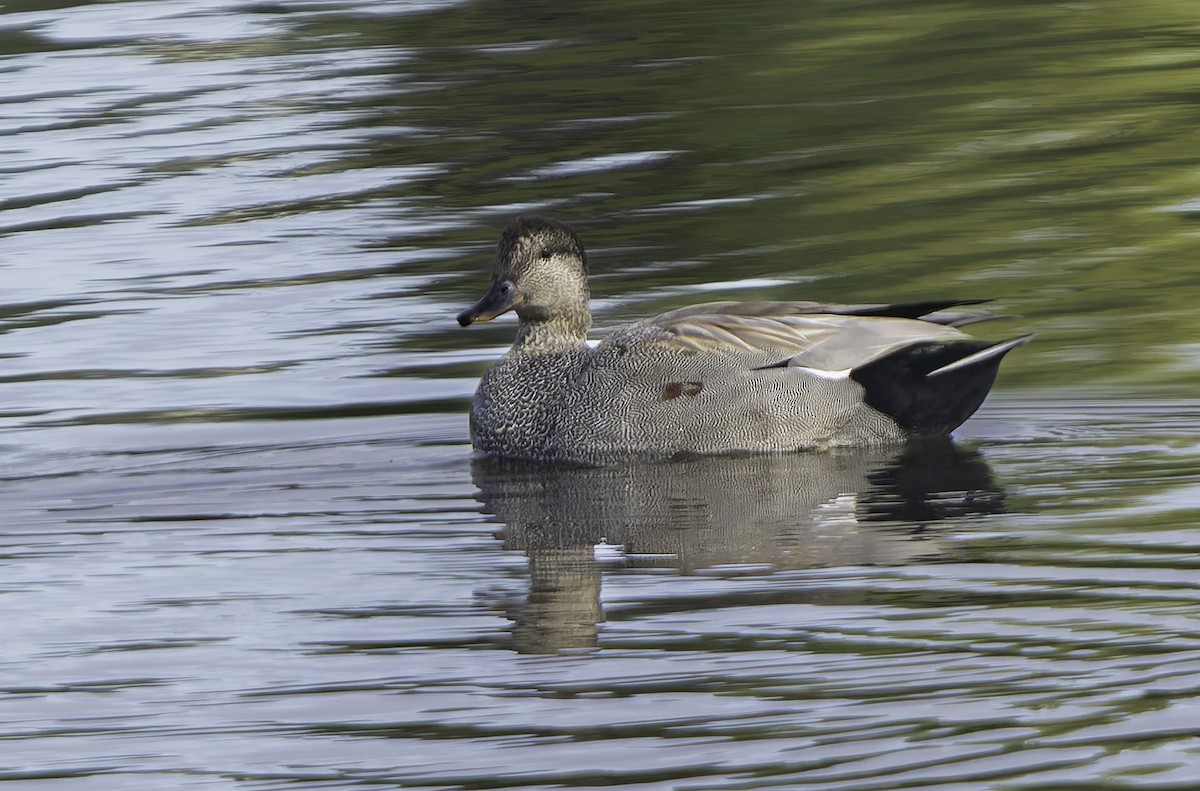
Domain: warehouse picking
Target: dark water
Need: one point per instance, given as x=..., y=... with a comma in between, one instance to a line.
x=244, y=544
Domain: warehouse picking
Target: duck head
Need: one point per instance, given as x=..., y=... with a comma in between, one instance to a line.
x=540, y=272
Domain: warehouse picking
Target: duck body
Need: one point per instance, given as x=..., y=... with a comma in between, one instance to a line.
x=727, y=377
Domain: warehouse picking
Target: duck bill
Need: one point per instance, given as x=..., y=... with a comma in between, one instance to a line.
x=499, y=299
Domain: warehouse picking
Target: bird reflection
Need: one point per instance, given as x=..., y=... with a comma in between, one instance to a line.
x=794, y=511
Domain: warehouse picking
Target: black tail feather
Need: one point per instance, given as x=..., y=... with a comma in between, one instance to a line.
x=900, y=384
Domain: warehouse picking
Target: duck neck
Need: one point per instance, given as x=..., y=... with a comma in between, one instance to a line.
x=553, y=335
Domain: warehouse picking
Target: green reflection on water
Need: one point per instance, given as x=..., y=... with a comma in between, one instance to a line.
x=1041, y=154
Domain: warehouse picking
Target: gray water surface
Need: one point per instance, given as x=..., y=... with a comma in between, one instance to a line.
x=245, y=545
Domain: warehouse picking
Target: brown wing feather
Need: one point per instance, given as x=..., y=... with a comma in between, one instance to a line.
x=724, y=332
x=829, y=342
x=909, y=310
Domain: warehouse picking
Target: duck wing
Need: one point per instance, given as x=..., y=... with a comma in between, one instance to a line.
x=773, y=376
x=907, y=310
x=765, y=334
x=928, y=376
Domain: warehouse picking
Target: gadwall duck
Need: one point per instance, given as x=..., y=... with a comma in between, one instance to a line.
x=720, y=377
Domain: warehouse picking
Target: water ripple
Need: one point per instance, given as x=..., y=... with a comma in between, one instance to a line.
x=245, y=544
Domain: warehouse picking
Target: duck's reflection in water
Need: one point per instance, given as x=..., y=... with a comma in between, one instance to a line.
x=841, y=508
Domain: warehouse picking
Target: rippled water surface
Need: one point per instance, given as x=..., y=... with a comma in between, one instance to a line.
x=244, y=543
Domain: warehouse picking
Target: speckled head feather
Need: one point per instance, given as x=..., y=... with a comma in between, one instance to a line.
x=530, y=237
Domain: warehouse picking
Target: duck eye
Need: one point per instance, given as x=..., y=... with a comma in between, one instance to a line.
x=547, y=252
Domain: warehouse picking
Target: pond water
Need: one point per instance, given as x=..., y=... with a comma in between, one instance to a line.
x=244, y=542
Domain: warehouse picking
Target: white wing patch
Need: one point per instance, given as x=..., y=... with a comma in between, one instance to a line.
x=823, y=374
